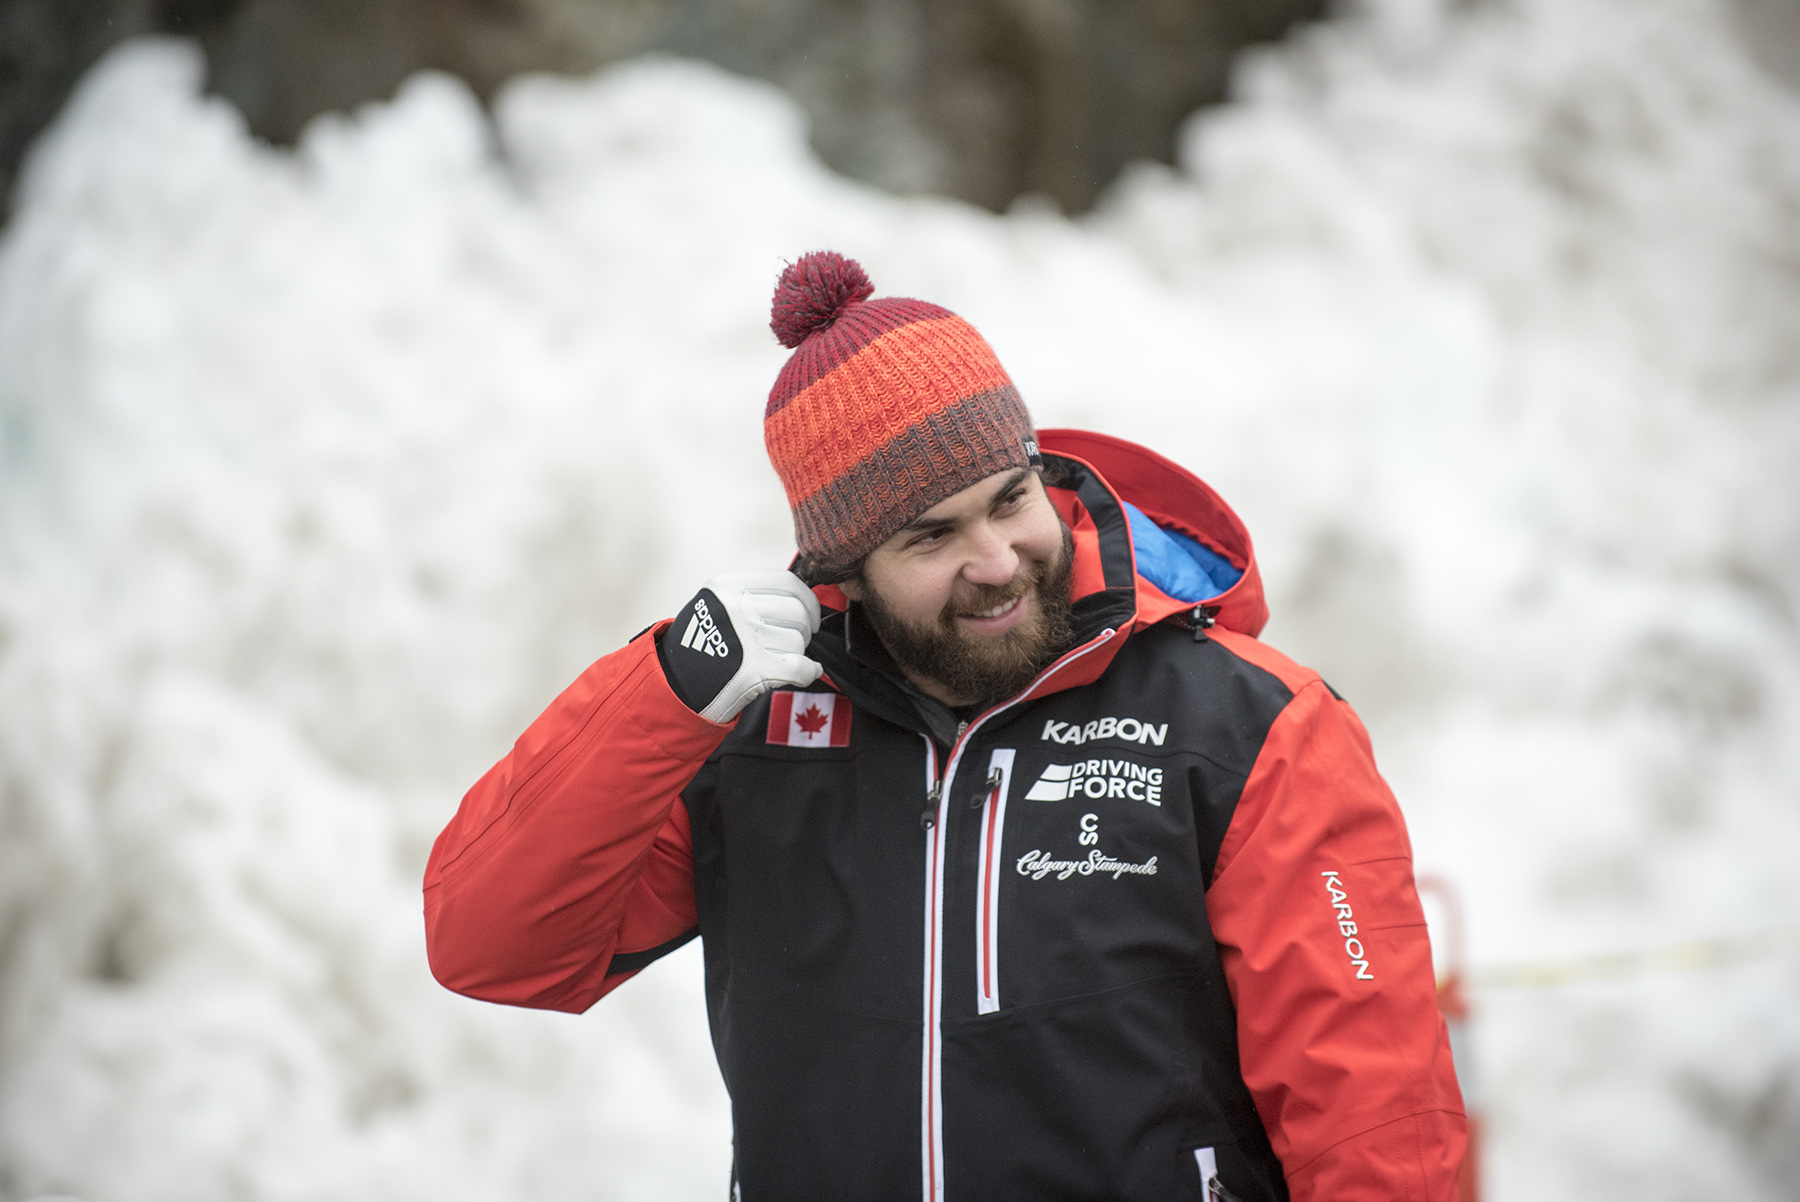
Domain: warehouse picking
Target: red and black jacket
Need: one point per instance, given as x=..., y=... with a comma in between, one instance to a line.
x=1152, y=917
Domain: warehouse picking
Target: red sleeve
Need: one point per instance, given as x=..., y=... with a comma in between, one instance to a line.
x=1326, y=954
x=574, y=846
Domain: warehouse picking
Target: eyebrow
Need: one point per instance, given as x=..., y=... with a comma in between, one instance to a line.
x=923, y=523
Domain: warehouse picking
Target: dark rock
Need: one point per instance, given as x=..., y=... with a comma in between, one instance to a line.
x=982, y=99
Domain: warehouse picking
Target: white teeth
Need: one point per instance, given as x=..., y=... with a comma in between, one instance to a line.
x=998, y=609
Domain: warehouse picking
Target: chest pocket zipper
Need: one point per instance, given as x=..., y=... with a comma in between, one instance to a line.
x=987, y=903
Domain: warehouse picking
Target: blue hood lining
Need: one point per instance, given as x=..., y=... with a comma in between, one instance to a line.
x=1182, y=567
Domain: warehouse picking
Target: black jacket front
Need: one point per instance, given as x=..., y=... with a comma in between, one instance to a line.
x=979, y=965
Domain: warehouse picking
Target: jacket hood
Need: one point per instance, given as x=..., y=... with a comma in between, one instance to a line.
x=1179, y=502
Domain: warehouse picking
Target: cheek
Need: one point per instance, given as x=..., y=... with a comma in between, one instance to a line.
x=929, y=599
x=916, y=596
x=1044, y=542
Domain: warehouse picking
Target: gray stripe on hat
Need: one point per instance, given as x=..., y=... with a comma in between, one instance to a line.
x=935, y=458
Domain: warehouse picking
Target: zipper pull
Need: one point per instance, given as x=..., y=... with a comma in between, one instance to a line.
x=1207, y=1159
x=1203, y=621
x=1216, y=1191
x=928, y=818
x=993, y=783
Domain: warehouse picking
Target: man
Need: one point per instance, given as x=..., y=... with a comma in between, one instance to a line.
x=1024, y=871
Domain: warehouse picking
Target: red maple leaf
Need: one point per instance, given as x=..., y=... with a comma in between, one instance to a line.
x=811, y=719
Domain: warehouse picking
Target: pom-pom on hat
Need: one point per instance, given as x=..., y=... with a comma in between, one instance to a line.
x=885, y=408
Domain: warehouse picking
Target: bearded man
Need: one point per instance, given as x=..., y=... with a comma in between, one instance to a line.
x=1023, y=870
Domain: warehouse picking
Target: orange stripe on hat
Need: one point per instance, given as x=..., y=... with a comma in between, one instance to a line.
x=874, y=397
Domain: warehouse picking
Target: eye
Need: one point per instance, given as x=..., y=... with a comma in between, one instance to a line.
x=927, y=538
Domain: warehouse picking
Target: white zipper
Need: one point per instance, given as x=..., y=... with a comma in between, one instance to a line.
x=932, y=1102
x=987, y=914
x=931, y=1108
x=1209, y=1172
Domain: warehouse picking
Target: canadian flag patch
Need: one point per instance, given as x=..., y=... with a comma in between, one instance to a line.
x=809, y=720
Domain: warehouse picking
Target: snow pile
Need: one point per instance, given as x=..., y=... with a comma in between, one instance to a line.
x=321, y=472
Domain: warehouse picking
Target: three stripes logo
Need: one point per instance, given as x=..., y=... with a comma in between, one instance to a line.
x=702, y=633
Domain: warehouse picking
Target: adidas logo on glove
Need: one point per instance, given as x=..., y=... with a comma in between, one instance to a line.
x=702, y=633
x=742, y=634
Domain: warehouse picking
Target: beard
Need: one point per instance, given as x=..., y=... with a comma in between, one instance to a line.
x=986, y=670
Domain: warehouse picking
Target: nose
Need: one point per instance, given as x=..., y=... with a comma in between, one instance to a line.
x=992, y=559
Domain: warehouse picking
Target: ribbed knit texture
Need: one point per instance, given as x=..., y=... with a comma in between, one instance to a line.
x=886, y=408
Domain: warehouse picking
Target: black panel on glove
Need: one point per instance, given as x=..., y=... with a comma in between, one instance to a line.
x=701, y=651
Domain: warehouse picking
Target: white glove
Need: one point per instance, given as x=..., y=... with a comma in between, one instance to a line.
x=741, y=635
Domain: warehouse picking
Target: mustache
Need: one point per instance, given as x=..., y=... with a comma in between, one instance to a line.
x=987, y=596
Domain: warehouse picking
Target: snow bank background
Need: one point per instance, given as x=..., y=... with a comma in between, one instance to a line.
x=321, y=472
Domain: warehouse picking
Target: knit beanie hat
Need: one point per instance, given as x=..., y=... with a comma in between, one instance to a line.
x=885, y=408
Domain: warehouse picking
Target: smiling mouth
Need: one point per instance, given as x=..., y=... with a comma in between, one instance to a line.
x=1003, y=608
